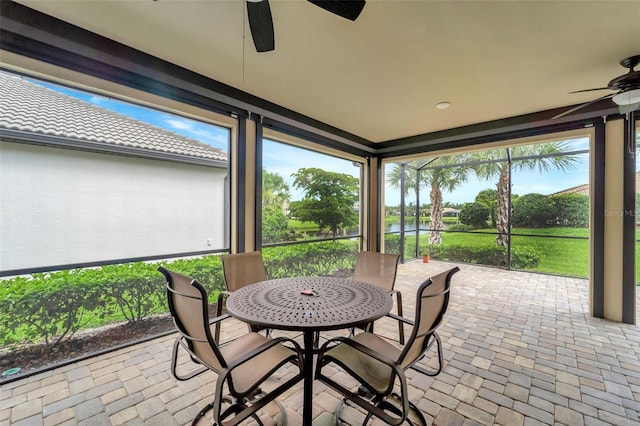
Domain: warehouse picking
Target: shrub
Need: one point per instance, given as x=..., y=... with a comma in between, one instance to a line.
x=207, y=270
x=522, y=257
x=319, y=258
x=52, y=307
x=533, y=211
x=461, y=227
x=136, y=290
x=275, y=226
x=572, y=210
x=392, y=243
x=47, y=307
x=474, y=214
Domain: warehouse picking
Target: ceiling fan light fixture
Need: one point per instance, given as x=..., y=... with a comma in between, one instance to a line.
x=627, y=98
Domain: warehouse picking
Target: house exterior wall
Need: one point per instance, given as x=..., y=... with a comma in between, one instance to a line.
x=60, y=206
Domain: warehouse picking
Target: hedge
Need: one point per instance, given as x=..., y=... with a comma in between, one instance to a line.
x=51, y=307
x=522, y=257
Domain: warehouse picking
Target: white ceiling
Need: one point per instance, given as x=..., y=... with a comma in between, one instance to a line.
x=381, y=76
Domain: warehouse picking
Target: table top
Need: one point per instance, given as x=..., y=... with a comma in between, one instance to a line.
x=335, y=303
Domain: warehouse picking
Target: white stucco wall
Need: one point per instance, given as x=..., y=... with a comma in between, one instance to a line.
x=60, y=206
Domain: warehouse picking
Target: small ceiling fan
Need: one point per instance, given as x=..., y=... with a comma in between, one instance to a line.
x=261, y=21
x=627, y=87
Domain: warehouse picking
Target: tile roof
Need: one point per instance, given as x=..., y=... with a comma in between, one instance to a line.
x=31, y=108
x=584, y=189
x=580, y=189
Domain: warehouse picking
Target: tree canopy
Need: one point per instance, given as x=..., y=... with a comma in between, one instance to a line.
x=275, y=191
x=330, y=198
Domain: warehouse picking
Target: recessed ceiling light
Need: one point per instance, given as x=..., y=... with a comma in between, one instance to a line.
x=443, y=105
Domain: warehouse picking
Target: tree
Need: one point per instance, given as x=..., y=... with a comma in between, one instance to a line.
x=489, y=199
x=275, y=191
x=275, y=226
x=543, y=157
x=330, y=198
x=474, y=214
x=438, y=174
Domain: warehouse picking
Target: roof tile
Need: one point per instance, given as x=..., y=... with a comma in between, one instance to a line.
x=29, y=107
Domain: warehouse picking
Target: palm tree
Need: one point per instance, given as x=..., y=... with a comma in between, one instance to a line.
x=543, y=157
x=489, y=199
x=438, y=174
x=275, y=191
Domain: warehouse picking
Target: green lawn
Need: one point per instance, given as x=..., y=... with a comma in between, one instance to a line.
x=557, y=255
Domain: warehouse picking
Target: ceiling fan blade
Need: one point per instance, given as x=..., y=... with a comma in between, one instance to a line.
x=582, y=106
x=590, y=90
x=261, y=25
x=349, y=9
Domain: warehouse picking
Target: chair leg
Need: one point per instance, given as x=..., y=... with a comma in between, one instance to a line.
x=216, y=333
x=236, y=407
x=174, y=364
x=219, y=309
x=437, y=371
x=400, y=323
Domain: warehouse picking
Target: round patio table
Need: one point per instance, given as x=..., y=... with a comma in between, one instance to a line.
x=310, y=305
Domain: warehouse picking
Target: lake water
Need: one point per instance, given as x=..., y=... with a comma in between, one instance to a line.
x=409, y=226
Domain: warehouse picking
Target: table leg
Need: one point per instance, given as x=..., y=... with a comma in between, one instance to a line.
x=307, y=402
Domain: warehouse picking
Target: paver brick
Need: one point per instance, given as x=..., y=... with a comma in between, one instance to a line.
x=87, y=409
x=568, y=417
x=508, y=417
x=534, y=365
x=25, y=410
x=475, y=414
x=59, y=417
x=516, y=392
x=447, y=417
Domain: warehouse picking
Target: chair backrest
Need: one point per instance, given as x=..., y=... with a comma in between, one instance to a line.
x=377, y=269
x=242, y=269
x=188, y=305
x=432, y=300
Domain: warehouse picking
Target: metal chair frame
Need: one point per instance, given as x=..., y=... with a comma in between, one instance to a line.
x=342, y=351
x=231, y=263
x=381, y=278
x=242, y=403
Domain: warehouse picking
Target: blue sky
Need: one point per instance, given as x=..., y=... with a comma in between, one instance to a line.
x=523, y=182
x=206, y=133
x=285, y=160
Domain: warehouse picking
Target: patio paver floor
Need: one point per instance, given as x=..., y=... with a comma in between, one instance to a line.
x=520, y=349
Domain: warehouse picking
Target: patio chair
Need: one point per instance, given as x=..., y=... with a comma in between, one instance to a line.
x=377, y=365
x=239, y=270
x=380, y=269
x=242, y=365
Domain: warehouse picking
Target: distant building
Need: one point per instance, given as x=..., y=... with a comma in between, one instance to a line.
x=80, y=183
x=580, y=189
x=584, y=189
x=450, y=212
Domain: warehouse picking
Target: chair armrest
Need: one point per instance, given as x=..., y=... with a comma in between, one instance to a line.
x=358, y=399
x=365, y=350
x=265, y=346
x=221, y=297
x=399, y=318
x=218, y=319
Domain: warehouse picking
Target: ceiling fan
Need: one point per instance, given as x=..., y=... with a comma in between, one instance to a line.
x=627, y=87
x=261, y=21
